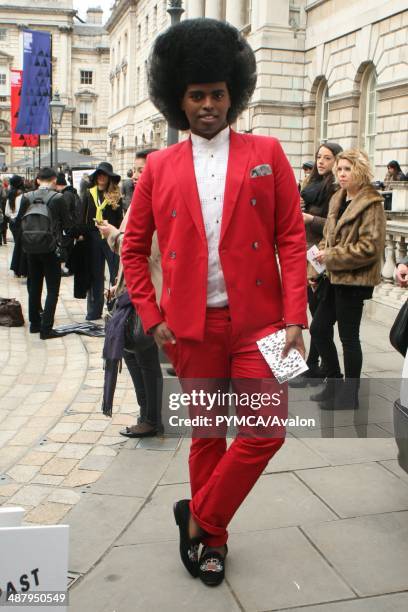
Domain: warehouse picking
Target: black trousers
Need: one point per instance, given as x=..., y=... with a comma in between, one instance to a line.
x=144, y=368
x=100, y=252
x=342, y=304
x=40, y=267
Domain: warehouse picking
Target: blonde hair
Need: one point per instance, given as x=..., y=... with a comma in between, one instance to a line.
x=113, y=194
x=361, y=172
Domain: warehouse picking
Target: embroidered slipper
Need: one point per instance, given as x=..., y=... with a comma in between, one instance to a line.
x=188, y=546
x=212, y=566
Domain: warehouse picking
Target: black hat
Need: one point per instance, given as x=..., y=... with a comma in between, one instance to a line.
x=308, y=165
x=61, y=180
x=105, y=168
x=17, y=181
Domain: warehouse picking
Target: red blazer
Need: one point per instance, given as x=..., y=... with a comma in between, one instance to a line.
x=259, y=214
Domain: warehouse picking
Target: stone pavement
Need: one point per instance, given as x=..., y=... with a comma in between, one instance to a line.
x=324, y=530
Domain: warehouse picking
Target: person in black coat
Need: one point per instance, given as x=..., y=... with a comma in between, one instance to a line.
x=101, y=202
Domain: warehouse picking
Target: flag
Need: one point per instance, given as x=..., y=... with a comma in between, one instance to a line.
x=34, y=114
x=18, y=140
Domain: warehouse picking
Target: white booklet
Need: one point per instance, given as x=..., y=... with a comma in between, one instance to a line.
x=271, y=348
x=311, y=254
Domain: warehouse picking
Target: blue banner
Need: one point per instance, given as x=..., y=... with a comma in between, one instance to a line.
x=34, y=113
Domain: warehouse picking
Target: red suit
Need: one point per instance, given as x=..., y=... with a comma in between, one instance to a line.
x=261, y=220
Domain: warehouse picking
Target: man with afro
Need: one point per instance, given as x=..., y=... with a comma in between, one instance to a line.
x=223, y=205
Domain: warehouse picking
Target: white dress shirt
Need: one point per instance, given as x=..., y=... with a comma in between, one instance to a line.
x=210, y=159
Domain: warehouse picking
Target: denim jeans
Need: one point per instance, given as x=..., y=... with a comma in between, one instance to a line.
x=343, y=304
x=144, y=368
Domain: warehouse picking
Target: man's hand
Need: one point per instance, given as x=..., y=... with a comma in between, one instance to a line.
x=402, y=275
x=294, y=339
x=162, y=334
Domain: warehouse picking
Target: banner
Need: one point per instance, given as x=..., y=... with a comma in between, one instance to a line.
x=34, y=115
x=18, y=140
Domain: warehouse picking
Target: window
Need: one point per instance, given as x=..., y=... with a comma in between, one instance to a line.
x=324, y=114
x=145, y=86
x=139, y=35
x=3, y=33
x=370, y=118
x=147, y=27
x=124, y=90
x=85, y=151
x=138, y=84
x=3, y=84
x=86, y=77
x=85, y=114
x=155, y=18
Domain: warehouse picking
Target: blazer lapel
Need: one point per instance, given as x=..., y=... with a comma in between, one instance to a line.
x=238, y=159
x=185, y=177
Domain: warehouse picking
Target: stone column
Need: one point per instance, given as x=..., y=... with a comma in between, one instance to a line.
x=195, y=8
x=213, y=9
x=234, y=13
x=273, y=13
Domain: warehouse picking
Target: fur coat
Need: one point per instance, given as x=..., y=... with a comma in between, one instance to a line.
x=354, y=244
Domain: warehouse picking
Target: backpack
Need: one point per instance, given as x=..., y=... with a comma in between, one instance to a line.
x=38, y=234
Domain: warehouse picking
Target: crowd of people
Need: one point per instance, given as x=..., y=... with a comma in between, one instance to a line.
x=215, y=256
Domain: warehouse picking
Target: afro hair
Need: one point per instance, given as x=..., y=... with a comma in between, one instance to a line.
x=200, y=51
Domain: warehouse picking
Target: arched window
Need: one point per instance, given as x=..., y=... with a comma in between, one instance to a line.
x=85, y=151
x=324, y=114
x=370, y=128
x=122, y=142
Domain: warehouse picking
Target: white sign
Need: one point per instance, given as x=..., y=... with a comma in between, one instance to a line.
x=34, y=560
x=77, y=176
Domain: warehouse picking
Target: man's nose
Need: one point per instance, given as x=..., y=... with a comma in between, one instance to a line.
x=208, y=102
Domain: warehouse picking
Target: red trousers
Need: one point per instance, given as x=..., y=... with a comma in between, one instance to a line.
x=220, y=478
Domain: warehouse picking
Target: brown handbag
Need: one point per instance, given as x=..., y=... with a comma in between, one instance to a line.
x=11, y=313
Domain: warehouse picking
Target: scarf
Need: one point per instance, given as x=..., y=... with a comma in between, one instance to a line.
x=99, y=207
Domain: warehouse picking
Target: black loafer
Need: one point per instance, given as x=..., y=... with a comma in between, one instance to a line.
x=212, y=566
x=188, y=546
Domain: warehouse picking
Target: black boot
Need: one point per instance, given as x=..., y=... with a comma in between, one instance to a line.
x=312, y=377
x=328, y=392
x=347, y=396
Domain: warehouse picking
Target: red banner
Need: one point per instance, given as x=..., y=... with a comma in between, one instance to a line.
x=18, y=140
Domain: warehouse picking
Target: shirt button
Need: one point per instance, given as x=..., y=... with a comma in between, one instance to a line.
x=255, y=245
x=258, y=282
x=253, y=202
x=173, y=213
x=172, y=254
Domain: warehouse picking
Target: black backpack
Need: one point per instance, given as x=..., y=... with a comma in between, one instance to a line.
x=38, y=234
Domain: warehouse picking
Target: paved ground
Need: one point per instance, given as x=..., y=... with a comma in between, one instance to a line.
x=324, y=530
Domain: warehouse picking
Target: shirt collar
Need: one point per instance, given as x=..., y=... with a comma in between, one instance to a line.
x=218, y=141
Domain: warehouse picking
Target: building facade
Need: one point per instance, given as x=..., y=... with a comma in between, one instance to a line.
x=327, y=70
x=80, y=69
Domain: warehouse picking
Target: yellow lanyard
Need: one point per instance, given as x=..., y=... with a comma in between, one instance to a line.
x=99, y=207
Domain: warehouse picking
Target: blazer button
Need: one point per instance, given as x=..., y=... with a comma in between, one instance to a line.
x=253, y=202
x=172, y=254
x=255, y=245
x=258, y=282
x=174, y=213
x=168, y=290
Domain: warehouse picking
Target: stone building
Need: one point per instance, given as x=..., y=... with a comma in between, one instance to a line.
x=80, y=58
x=327, y=70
